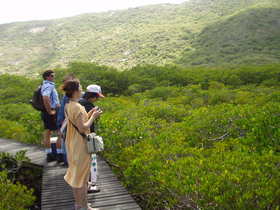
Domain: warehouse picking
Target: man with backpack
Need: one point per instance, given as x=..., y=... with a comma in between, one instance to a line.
x=92, y=94
x=49, y=115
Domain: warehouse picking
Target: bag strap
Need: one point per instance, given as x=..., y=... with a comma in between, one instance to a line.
x=82, y=134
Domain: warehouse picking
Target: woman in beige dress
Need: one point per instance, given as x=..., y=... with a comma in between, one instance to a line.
x=79, y=160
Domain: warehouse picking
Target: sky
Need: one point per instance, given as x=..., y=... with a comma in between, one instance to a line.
x=25, y=10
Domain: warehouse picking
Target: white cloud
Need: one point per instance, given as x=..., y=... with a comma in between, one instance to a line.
x=23, y=10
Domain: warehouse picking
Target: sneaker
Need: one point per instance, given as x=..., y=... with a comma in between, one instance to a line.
x=59, y=158
x=51, y=157
x=93, y=189
x=65, y=165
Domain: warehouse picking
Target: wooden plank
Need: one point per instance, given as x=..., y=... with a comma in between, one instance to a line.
x=56, y=194
x=127, y=206
x=8, y=148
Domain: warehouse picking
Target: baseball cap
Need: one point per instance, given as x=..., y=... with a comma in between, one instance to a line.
x=95, y=89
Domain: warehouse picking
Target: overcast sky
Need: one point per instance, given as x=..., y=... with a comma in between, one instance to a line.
x=23, y=10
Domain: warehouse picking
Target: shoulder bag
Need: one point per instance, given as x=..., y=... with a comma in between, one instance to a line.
x=94, y=143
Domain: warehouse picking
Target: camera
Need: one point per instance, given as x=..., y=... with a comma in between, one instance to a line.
x=98, y=109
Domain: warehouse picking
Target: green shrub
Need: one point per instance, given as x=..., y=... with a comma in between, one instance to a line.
x=223, y=179
x=13, y=130
x=211, y=157
x=19, y=156
x=14, y=196
x=23, y=121
x=186, y=138
x=16, y=89
x=163, y=92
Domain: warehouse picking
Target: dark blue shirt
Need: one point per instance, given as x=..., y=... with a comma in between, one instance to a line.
x=88, y=106
x=61, y=114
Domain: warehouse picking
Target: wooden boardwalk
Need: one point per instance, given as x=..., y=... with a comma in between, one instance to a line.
x=57, y=195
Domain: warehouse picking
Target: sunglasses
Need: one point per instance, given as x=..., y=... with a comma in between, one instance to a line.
x=52, y=75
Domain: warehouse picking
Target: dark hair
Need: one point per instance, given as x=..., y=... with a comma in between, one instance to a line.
x=47, y=74
x=89, y=95
x=70, y=87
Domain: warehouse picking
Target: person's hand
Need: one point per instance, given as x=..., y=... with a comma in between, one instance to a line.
x=96, y=113
x=52, y=112
x=92, y=110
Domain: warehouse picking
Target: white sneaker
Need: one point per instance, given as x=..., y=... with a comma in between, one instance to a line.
x=93, y=189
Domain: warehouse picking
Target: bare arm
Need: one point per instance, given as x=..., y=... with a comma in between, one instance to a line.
x=84, y=126
x=47, y=104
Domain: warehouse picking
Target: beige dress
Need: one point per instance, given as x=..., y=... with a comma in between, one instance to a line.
x=78, y=159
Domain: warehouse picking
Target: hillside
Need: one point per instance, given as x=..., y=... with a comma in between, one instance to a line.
x=197, y=32
x=252, y=36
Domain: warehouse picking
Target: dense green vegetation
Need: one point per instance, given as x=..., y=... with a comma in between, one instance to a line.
x=18, y=120
x=197, y=32
x=178, y=137
x=13, y=193
x=252, y=36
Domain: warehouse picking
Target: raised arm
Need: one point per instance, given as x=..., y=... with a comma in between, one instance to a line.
x=84, y=126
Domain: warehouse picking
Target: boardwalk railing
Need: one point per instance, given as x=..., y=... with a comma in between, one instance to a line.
x=57, y=195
